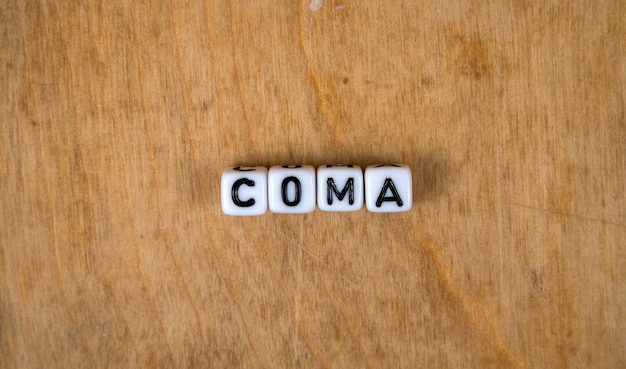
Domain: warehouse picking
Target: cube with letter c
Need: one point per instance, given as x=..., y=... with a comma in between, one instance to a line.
x=244, y=190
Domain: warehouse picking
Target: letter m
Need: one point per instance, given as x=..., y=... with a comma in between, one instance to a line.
x=332, y=189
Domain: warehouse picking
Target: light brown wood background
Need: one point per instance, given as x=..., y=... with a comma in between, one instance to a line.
x=118, y=117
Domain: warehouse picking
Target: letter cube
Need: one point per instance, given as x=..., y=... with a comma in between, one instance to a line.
x=388, y=188
x=291, y=189
x=244, y=190
x=339, y=187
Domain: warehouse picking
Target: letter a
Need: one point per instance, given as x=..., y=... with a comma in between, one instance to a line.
x=394, y=193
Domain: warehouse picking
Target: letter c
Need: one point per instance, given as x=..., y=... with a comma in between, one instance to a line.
x=235, y=192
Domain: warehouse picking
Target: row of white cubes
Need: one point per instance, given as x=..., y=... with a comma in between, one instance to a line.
x=292, y=189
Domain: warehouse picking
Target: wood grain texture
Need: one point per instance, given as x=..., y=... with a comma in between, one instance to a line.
x=118, y=117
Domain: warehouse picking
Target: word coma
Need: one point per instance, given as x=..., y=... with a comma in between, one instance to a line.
x=385, y=188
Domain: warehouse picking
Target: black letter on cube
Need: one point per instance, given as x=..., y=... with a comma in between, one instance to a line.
x=394, y=193
x=348, y=188
x=235, y=192
x=283, y=190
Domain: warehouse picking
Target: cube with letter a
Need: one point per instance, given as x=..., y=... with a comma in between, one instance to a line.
x=388, y=188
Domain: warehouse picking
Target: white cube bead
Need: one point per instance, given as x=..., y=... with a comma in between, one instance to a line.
x=244, y=190
x=339, y=187
x=388, y=188
x=291, y=189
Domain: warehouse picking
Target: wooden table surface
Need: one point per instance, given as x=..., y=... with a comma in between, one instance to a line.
x=118, y=118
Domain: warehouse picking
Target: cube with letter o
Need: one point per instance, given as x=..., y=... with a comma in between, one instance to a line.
x=291, y=189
